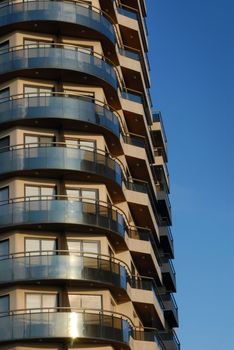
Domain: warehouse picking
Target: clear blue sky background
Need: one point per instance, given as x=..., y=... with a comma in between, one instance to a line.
x=192, y=59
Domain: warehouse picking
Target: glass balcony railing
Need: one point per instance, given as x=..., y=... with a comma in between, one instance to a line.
x=146, y=283
x=169, y=274
x=58, y=56
x=130, y=54
x=170, y=339
x=144, y=234
x=132, y=96
x=65, y=12
x=60, y=156
x=62, y=265
x=167, y=240
x=150, y=335
x=67, y=106
x=64, y=210
x=125, y=11
x=170, y=309
x=63, y=323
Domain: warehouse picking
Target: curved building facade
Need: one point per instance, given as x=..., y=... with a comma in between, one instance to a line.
x=85, y=243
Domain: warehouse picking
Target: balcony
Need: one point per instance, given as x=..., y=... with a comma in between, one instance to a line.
x=169, y=275
x=66, y=17
x=170, y=309
x=160, y=139
x=57, y=265
x=170, y=340
x=60, y=212
x=166, y=240
x=59, y=157
x=147, y=301
x=49, y=61
x=164, y=206
x=64, y=324
x=150, y=336
x=126, y=14
x=72, y=110
x=145, y=252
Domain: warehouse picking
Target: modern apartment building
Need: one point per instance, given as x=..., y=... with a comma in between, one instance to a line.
x=85, y=241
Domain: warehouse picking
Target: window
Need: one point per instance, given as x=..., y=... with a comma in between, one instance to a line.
x=45, y=302
x=37, y=90
x=4, y=195
x=4, y=304
x=39, y=192
x=38, y=140
x=87, y=196
x=80, y=93
x=84, y=246
x=4, y=249
x=4, y=144
x=82, y=144
x=37, y=43
x=4, y=47
x=4, y=94
x=40, y=246
x=85, y=301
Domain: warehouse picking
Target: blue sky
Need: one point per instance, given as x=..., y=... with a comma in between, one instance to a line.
x=192, y=59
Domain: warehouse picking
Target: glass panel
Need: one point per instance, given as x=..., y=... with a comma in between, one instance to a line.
x=31, y=141
x=4, y=144
x=32, y=245
x=75, y=300
x=91, y=247
x=46, y=140
x=49, y=301
x=5, y=93
x=4, y=249
x=4, y=195
x=33, y=301
x=48, y=245
x=47, y=192
x=85, y=301
x=71, y=143
x=91, y=302
x=30, y=90
x=71, y=193
x=87, y=145
x=4, y=304
x=4, y=47
x=86, y=49
x=74, y=246
x=32, y=193
x=32, y=43
x=89, y=195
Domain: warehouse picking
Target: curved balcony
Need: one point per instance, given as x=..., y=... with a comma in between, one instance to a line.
x=50, y=61
x=60, y=157
x=75, y=111
x=64, y=16
x=62, y=211
x=63, y=265
x=63, y=323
